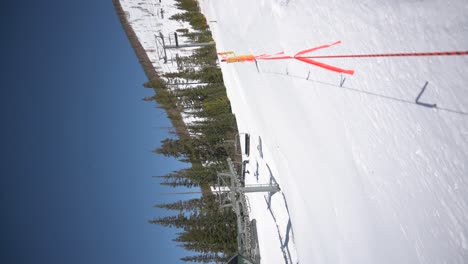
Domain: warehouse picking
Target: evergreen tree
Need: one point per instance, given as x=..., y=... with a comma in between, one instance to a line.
x=203, y=258
x=171, y=221
x=188, y=205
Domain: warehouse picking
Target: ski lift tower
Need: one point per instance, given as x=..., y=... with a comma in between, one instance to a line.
x=231, y=193
x=176, y=45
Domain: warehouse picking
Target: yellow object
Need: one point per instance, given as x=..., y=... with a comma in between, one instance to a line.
x=226, y=53
x=241, y=58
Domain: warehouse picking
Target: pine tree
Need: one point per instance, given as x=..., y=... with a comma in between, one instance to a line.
x=204, y=258
x=188, y=205
x=171, y=221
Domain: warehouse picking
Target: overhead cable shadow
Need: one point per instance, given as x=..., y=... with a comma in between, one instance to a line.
x=376, y=94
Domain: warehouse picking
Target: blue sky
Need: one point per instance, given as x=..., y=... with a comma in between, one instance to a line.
x=76, y=165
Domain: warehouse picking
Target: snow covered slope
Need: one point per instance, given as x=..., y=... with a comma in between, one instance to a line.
x=368, y=175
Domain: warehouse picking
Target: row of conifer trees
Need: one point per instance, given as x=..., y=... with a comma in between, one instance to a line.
x=197, y=90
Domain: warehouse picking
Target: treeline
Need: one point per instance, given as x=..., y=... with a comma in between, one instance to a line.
x=207, y=229
x=199, y=93
x=191, y=14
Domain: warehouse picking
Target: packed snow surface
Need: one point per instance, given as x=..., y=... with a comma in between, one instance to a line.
x=367, y=175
